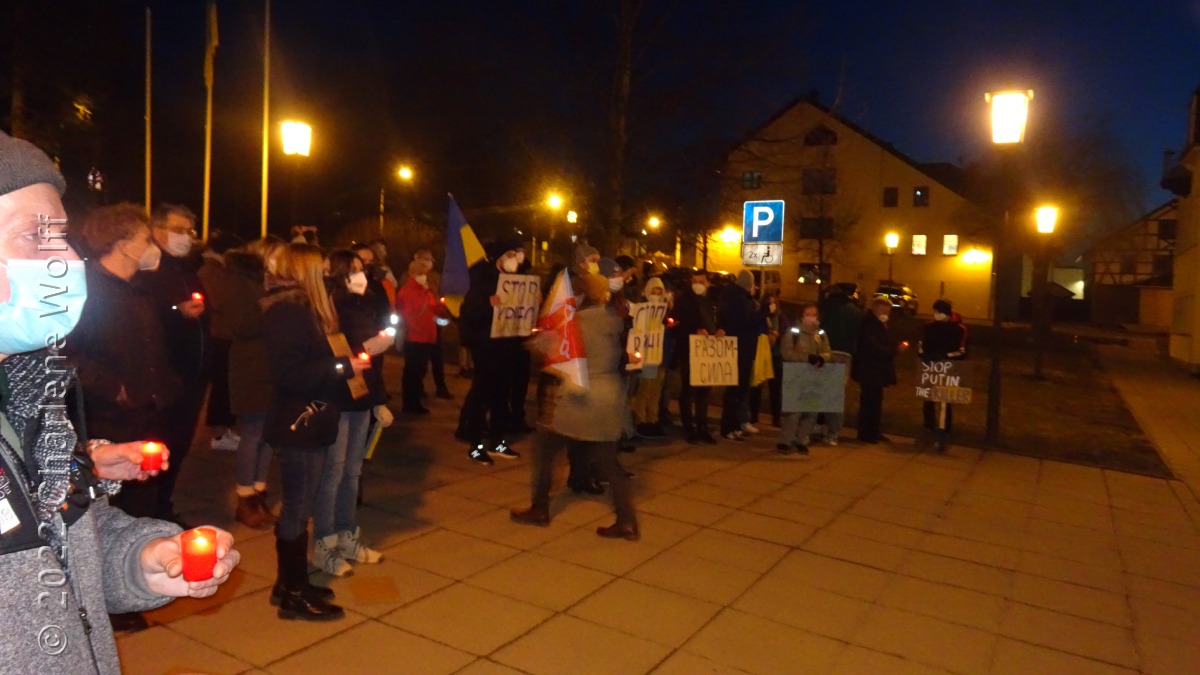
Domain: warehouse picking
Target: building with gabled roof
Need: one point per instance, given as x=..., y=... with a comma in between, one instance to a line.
x=844, y=190
x=1131, y=271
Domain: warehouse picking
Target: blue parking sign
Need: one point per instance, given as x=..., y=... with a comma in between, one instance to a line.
x=762, y=222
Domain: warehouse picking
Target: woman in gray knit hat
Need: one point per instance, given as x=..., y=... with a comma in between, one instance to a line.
x=66, y=557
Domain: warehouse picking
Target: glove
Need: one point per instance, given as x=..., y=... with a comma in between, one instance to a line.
x=816, y=360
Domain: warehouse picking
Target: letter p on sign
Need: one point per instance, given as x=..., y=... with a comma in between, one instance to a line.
x=762, y=222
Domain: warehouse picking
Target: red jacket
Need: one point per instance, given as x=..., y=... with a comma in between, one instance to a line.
x=419, y=309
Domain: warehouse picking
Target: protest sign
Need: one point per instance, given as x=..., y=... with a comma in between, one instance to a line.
x=341, y=348
x=944, y=382
x=646, y=335
x=809, y=389
x=712, y=361
x=518, y=308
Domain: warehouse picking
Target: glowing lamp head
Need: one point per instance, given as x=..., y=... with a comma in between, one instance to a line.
x=405, y=173
x=572, y=217
x=892, y=240
x=730, y=235
x=554, y=201
x=654, y=222
x=297, y=138
x=1010, y=111
x=1046, y=217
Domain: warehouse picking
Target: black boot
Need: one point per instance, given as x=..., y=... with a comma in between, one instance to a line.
x=297, y=598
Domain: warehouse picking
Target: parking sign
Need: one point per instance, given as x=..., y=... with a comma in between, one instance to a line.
x=762, y=222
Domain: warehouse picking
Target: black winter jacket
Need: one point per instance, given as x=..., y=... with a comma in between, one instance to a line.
x=172, y=283
x=691, y=314
x=943, y=340
x=361, y=317
x=304, y=370
x=475, y=316
x=738, y=316
x=874, y=363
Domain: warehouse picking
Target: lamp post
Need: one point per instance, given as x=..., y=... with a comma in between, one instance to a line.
x=1046, y=217
x=1009, y=112
x=297, y=142
x=892, y=241
x=405, y=174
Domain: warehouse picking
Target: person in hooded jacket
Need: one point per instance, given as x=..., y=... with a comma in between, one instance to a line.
x=483, y=421
x=943, y=339
x=738, y=316
x=363, y=320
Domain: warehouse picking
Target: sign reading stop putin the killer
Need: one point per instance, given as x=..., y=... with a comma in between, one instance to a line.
x=646, y=334
x=943, y=382
x=518, y=308
x=712, y=361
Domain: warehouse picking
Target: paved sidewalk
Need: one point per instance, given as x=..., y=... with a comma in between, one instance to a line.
x=859, y=559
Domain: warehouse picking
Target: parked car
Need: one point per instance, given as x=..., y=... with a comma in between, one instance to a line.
x=902, y=297
x=850, y=289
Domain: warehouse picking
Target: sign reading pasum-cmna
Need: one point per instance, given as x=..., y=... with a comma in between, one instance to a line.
x=943, y=381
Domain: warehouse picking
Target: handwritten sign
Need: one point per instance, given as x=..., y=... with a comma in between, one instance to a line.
x=341, y=347
x=943, y=381
x=809, y=389
x=518, y=308
x=713, y=361
x=646, y=335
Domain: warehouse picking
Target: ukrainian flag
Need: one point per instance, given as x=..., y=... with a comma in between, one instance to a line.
x=462, y=250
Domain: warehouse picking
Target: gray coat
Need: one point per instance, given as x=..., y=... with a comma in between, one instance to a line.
x=595, y=414
x=39, y=619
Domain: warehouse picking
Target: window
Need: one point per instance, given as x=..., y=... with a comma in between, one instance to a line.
x=950, y=244
x=918, y=244
x=921, y=195
x=1128, y=263
x=816, y=228
x=891, y=196
x=751, y=180
x=819, y=182
x=1163, y=270
x=822, y=135
x=1167, y=230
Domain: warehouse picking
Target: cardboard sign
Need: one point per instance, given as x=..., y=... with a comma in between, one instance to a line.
x=518, y=308
x=713, y=361
x=808, y=389
x=337, y=342
x=646, y=335
x=944, y=382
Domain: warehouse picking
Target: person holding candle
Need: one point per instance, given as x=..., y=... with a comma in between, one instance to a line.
x=362, y=316
x=302, y=419
x=62, y=540
x=420, y=310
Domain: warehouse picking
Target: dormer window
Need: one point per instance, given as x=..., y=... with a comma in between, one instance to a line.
x=821, y=135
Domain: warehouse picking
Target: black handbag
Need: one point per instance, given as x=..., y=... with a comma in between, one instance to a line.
x=307, y=425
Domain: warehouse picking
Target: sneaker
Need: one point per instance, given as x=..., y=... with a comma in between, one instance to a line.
x=503, y=451
x=350, y=548
x=227, y=441
x=748, y=428
x=831, y=440
x=479, y=454
x=328, y=558
x=801, y=449
x=736, y=437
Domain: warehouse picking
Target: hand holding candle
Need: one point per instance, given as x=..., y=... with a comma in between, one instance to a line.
x=192, y=563
x=124, y=461
x=199, y=553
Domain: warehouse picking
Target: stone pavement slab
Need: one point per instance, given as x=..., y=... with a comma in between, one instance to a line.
x=857, y=559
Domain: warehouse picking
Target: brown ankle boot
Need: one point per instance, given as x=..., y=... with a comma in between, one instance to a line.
x=533, y=515
x=253, y=513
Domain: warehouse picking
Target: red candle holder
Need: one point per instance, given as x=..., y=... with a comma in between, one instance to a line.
x=152, y=456
x=364, y=356
x=198, y=296
x=199, y=553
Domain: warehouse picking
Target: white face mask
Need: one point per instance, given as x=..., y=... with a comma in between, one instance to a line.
x=938, y=316
x=422, y=279
x=615, y=285
x=520, y=257
x=593, y=268
x=699, y=289
x=150, y=258
x=179, y=244
x=357, y=283
x=510, y=264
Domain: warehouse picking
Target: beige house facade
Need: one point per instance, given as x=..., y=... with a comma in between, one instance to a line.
x=845, y=191
x=1181, y=179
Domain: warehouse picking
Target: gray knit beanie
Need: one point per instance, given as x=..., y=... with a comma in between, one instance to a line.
x=745, y=279
x=22, y=165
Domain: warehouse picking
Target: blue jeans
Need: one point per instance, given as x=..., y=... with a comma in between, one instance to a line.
x=253, y=455
x=337, y=498
x=301, y=474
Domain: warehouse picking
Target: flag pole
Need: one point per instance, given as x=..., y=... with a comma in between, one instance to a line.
x=266, y=121
x=147, y=114
x=209, y=78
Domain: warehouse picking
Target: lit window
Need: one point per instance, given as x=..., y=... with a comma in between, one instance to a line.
x=891, y=196
x=918, y=245
x=921, y=195
x=950, y=244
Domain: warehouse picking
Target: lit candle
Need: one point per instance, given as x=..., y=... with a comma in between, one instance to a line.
x=364, y=356
x=199, y=553
x=637, y=355
x=152, y=456
x=198, y=297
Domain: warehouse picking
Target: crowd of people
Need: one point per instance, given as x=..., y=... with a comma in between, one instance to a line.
x=281, y=344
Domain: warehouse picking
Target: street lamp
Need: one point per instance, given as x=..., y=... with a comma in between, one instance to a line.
x=554, y=201
x=892, y=241
x=1046, y=217
x=653, y=222
x=405, y=173
x=572, y=217
x=1010, y=112
x=297, y=141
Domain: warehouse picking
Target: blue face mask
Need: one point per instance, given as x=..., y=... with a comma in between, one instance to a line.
x=45, y=300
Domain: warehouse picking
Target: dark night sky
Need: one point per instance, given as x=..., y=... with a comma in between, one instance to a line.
x=492, y=99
